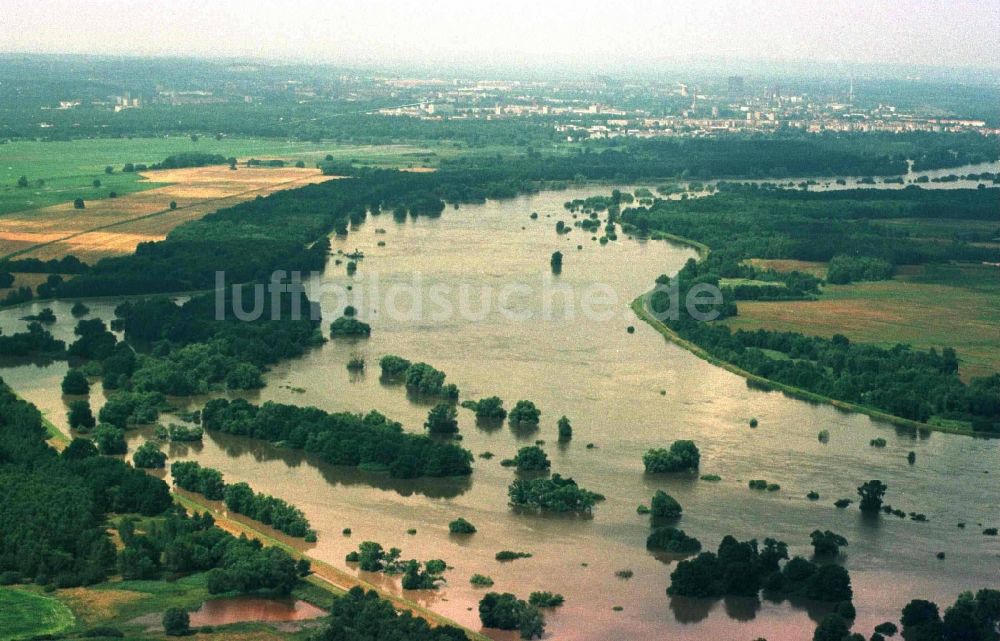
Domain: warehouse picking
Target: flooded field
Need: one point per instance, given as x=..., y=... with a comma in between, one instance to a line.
x=248, y=608
x=624, y=393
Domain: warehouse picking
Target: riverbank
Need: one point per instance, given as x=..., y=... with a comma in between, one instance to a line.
x=641, y=308
x=324, y=576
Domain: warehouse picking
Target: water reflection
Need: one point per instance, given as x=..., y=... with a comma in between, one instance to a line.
x=687, y=610
x=489, y=425
x=611, y=390
x=741, y=608
x=336, y=475
x=815, y=610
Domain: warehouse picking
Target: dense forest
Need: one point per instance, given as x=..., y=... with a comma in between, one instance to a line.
x=754, y=221
x=371, y=441
x=56, y=507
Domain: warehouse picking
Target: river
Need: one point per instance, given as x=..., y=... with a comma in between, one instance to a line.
x=625, y=393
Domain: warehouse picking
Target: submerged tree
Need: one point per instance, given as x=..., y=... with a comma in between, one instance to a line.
x=871, y=494
x=442, y=419
x=565, y=430
x=556, y=262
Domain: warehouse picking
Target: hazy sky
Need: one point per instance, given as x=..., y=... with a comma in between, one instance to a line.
x=606, y=33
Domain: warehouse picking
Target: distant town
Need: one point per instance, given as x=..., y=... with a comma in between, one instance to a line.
x=599, y=107
x=738, y=109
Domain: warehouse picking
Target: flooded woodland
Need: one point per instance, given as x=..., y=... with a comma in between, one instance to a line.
x=625, y=392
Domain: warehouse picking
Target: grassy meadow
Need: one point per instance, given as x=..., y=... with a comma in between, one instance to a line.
x=25, y=614
x=927, y=306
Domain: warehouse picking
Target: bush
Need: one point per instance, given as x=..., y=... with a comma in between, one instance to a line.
x=149, y=456
x=888, y=628
x=531, y=459
x=673, y=540
x=682, y=456
x=545, y=599
x=75, y=383
x=556, y=494
x=442, y=419
x=345, y=326
x=507, y=612
x=80, y=417
x=565, y=430
x=480, y=580
x=10, y=577
x=110, y=439
x=191, y=476
x=524, y=413
x=393, y=366
x=871, y=493
x=424, y=380
x=508, y=555
x=665, y=506
x=461, y=526
x=176, y=622
x=833, y=627
x=826, y=543
x=183, y=433
x=490, y=408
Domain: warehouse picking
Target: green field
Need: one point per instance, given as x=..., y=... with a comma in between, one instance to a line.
x=68, y=168
x=24, y=614
x=930, y=306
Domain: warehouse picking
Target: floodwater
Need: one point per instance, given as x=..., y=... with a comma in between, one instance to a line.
x=910, y=178
x=625, y=393
x=250, y=608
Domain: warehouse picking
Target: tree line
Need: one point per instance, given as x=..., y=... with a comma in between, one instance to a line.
x=241, y=499
x=370, y=441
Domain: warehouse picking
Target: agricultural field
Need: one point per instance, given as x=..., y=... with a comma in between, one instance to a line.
x=68, y=169
x=985, y=232
x=25, y=614
x=928, y=306
x=40, y=221
x=115, y=226
x=788, y=265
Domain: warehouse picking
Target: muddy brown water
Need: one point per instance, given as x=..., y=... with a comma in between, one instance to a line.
x=609, y=383
x=249, y=608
